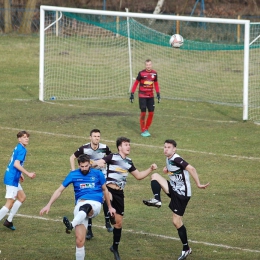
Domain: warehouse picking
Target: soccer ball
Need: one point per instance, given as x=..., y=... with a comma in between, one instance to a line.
x=176, y=41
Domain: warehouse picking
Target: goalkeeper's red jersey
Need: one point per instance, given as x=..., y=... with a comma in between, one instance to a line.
x=147, y=80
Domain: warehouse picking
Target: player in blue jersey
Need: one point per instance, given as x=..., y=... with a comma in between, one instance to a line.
x=118, y=167
x=89, y=188
x=15, y=195
x=95, y=150
x=178, y=188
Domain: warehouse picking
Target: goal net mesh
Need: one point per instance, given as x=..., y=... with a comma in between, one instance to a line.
x=93, y=56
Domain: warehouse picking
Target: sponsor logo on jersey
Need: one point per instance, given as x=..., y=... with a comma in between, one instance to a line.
x=87, y=185
x=148, y=82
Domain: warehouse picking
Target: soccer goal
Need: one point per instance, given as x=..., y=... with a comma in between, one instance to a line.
x=89, y=54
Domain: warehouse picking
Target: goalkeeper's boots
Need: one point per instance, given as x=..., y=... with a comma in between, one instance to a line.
x=68, y=225
x=145, y=134
x=153, y=202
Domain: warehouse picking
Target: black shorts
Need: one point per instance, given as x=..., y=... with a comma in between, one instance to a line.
x=117, y=200
x=146, y=103
x=178, y=203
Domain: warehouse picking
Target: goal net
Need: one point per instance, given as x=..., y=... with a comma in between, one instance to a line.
x=88, y=54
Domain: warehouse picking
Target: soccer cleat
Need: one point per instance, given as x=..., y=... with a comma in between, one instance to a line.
x=115, y=252
x=145, y=134
x=9, y=225
x=89, y=234
x=153, y=202
x=184, y=254
x=68, y=225
x=109, y=227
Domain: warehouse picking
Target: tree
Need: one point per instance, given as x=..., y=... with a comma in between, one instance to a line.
x=7, y=17
x=25, y=27
x=157, y=10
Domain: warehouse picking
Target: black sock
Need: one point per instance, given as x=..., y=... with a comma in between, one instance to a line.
x=183, y=236
x=89, y=223
x=116, y=238
x=106, y=212
x=156, y=188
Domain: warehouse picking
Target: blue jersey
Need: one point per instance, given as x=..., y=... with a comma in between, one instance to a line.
x=12, y=174
x=86, y=187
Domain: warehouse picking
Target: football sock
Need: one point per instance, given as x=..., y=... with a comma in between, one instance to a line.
x=142, y=121
x=14, y=210
x=89, y=223
x=79, y=218
x=116, y=238
x=183, y=236
x=156, y=188
x=149, y=120
x=106, y=212
x=3, y=211
x=80, y=253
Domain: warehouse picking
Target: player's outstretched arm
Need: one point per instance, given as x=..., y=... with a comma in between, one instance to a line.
x=141, y=175
x=53, y=198
x=195, y=176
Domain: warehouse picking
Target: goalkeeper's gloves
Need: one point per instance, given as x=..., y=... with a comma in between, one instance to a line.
x=158, y=97
x=132, y=97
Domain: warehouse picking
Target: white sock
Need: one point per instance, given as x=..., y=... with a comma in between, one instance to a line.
x=78, y=219
x=3, y=211
x=80, y=253
x=14, y=210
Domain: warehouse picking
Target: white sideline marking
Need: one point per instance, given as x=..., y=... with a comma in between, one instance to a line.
x=150, y=234
x=146, y=145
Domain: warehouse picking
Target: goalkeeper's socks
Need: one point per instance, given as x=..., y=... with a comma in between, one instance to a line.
x=149, y=120
x=142, y=121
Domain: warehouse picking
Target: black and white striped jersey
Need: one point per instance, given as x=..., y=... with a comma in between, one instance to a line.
x=118, y=169
x=179, y=177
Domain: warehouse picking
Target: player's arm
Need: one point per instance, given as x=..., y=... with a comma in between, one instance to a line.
x=53, y=198
x=195, y=177
x=141, y=175
x=72, y=162
x=99, y=163
x=18, y=166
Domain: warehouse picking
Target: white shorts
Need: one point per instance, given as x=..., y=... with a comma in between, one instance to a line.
x=96, y=207
x=11, y=191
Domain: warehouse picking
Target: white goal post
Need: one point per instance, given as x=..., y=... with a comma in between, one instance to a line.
x=87, y=54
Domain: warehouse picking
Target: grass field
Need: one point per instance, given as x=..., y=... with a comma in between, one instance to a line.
x=222, y=221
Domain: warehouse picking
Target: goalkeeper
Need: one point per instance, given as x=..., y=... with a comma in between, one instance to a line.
x=147, y=80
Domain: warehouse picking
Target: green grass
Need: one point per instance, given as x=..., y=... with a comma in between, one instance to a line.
x=222, y=221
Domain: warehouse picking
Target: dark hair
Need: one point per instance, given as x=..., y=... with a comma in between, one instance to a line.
x=83, y=158
x=171, y=141
x=22, y=133
x=120, y=140
x=94, y=131
x=148, y=60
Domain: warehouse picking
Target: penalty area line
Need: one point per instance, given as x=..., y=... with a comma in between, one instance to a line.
x=150, y=234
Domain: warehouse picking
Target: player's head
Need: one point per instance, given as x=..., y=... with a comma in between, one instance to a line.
x=123, y=144
x=22, y=133
x=84, y=163
x=148, y=64
x=23, y=137
x=95, y=136
x=169, y=148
